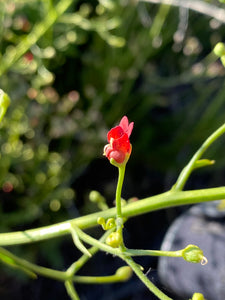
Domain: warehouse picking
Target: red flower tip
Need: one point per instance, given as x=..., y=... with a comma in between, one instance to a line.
x=119, y=147
x=124, y=124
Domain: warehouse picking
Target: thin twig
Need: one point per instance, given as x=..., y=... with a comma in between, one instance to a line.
x=198, y=6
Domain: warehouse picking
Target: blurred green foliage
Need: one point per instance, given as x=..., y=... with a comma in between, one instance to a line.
x=73, y=68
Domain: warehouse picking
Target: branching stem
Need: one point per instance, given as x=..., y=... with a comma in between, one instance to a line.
x=161, y=201
x=184, y=175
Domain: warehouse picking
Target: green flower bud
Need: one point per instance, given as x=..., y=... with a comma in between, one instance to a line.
x=97, y=198
x=124, y=273
x=114, y=240
x=106, y=225
x=219, y=49
x=198, y=296
x=194, y=254
x=101, y=221
x=110, y=223
x=4, y=103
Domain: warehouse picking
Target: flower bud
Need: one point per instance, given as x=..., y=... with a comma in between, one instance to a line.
x=194, y=254
x=219, y=49
x=124, y=273
x=101, y=221
x=97, y=198
x=119, y=148
x=114, y=240
x=198, y=296
x=106, y=225
x=4, y=103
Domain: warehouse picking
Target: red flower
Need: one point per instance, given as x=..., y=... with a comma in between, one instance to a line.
x=119, y=147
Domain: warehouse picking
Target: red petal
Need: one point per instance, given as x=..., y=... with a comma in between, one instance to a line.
x=118, y=156
x=124, y=124
x=122, y=144
x=115, y=133
x=107, y=150
x=130, y=128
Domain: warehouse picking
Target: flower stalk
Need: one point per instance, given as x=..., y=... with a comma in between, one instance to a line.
x=119, y=216
x=118, y=152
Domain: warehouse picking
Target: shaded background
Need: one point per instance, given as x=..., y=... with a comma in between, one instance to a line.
x=101, y=60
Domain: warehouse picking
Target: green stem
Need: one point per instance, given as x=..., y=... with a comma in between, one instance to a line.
x=119, y=190
x=137, y=252
x=159, y=21
x=118, y=252
x=71, y=290
x=77, y=265
x=145, y=280
x=119, y=216
x=161, y=201
x=97, y=279
x=58, y=275
x=77, y=241
x=184, y=175
x=15, y=261
x=92, y=241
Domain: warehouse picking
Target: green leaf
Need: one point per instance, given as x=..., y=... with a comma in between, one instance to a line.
x=203, y=162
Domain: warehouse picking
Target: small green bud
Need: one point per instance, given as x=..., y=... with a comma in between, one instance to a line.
x=4, y=103
x=194, y=254
x=124, y=273
x=219, y=49
x=114, y=240
x=110, y=223
x=197, y=296
x=101, y=221
x=97, y=198
x=222, y=1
